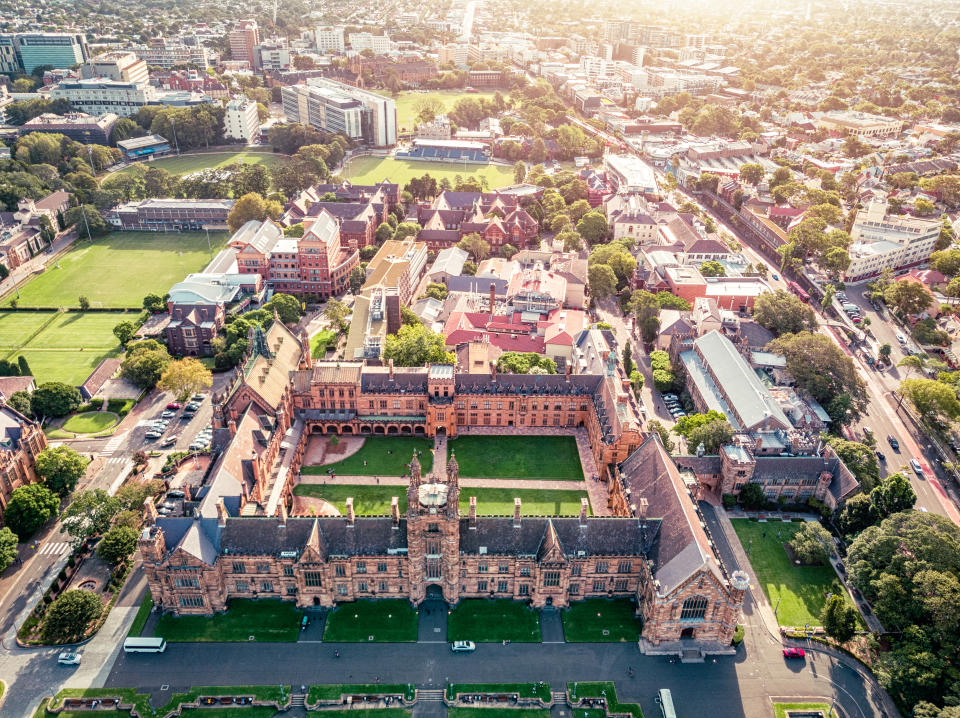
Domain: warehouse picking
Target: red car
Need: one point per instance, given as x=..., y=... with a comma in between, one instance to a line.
x=173, y=406
x=793, y=653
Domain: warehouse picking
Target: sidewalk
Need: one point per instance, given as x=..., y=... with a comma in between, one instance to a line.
x=464, y=483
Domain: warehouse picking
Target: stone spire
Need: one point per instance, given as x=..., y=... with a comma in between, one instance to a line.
x=453, y=487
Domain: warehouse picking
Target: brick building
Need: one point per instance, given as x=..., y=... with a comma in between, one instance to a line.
x=21, y=439
x=497, y=217
x=358, y=209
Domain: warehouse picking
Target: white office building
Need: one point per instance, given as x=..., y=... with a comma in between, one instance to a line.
x=330, y=39
x=630, y=173
x=240, y=121
x=119, y=66
x=380, y=44
x=882, y=240
x=100, y=95
x=379, y=113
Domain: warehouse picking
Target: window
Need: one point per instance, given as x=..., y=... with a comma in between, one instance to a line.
x=263, y=568
x=524, y=589
x=482, y=567
x=502, y=586
x=291, y=590
x=382, y=567
x=481, y=586
x=574, y=589
x=575, y=569
x=313, y=578
x=694, y=609
x=361, y=567
x=342, y=589
x=433, y=528
x=382, y=587
x=191, y=601
x=186, y=582
x=599, y=585
x=620, y=584
x=362, y=586
x=551, y=578
x=266, y=586
x=601, y=567
x=503, y=568
x=624, y=567
x=341, y=570
x=288, y=570
x=243, y=586
x=524, y=570
x=239, y=567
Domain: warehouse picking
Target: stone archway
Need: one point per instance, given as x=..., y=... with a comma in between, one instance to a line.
x=347, y=429
x=392, y=429
x=332, y=429
x=406, y=430
x=688, y=633
x=379, y=430
x=419, y=430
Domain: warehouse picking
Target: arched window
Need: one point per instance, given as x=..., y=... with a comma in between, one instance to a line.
x=694, y=609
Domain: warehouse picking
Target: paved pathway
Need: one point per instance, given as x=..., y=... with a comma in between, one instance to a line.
x=543, y=485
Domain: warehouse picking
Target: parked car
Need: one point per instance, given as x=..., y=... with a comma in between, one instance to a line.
x=776, y=277
x=915, y=465
x=169, y=441
x=152, y=434
x=69, y=658
x=168, y=415
x=175, y=494
x=793, y=653
x=894, y=444
x=164, y=511
x=880, y=456
x=173, y=405
x=463, y=646
x=901, y=339
x=198, y=397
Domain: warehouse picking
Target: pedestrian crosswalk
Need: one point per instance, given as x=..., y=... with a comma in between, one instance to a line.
x=113, y=444
x=117, y=460
x=54, y=548
x=430, y=695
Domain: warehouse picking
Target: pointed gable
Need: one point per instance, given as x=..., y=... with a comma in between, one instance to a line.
x=315, y=550
x=551, y=550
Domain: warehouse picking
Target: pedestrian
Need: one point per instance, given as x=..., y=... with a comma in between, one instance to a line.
x=378, y=481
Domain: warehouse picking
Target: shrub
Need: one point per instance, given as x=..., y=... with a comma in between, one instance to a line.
x=738, y=635
x=62, y=575
x=729, y=501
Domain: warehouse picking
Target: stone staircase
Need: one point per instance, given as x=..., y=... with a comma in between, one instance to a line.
x=431, y=695
x=298, y=700
x=559, y=697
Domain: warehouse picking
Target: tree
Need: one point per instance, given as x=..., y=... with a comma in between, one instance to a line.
x=475, y=245
x=54, y=399
x=572, y=241
x=415, y=346
x=436, y=291
x=860, y=459
x=83, y=302
x=68, y=617
x=839, y=618
x=751, y=497
x=646, y=309
x=525, y=362
x=519, y=172
x=931, y=398
x=132, y=494
x=884, y=352
x=854, y=147
x=29, y=508
x=154, y=303
x=946, y=261
x=336, y=312
x=627, y=359
x=636, y=381
x=712, y=269
x=184, y=377
x=124, y=331
x=508, y=250
x=655, y=427
x=287, y=306
x=20, y=400
x=384, y=232
x=593, y=227
x=252, y=206
x=117, y=544
x=90, y=514
x=618, y=258
x=145, y=363
x=856, y=515
x=601, y=280
x=712, y=435
x=23, y=366
x=812, y=544
x=908, y=297
x=61, y=467
x=357, y=279
x=8, y=548
x=666, y=300
x=752, y=173
x=86, y=217
x=892, y=495
x=783, y=313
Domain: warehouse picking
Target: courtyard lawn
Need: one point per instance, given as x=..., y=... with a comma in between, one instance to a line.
x=265, y=620
x=320, y=341
x=407, y=101
x=586, y=621
x=780, y=709
x=387, y=621
x=375, y=500
x=143, y=613
x=800, y=590
x=384, y=456
x=90, y=422
x=143, y=706
x=335, y=691
x=524, y=690
x=607, y=689
x=118, y=270
x=498, y=713
x=518, y=457
x=230, y=712
x=485, y=621
x=185, y=164
x=370, y=170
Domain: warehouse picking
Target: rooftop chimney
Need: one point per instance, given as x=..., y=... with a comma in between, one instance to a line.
x=395, y=511
x=584, y=507
x=493, y=371
x=493, y=298
x=390, y=366
x=149, y=512
x=232, y=426
x=569, y=370
x=642, y=509
x=221, y=513
x=516, y=512
x=473, y=513
x=351, y=517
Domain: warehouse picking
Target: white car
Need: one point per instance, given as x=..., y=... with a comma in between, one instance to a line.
x=169, y=441
x=463, y=646
x=69, y=658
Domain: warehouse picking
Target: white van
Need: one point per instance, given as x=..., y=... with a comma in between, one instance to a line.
x=666, y=703
x=145, y=645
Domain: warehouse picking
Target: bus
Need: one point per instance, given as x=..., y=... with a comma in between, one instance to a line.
x=666, y=703
x=798, y=290
x=145, y=645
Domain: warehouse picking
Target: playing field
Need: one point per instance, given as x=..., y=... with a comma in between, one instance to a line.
x=553, y=458
x=407, y=102
x=369, y=170
x=185, y=164
x=60, y=346
x=118, y=270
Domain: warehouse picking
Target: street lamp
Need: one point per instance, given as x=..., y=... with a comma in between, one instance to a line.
x=173, y=126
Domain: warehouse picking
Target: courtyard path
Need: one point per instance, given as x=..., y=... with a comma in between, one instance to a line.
x=544, y=485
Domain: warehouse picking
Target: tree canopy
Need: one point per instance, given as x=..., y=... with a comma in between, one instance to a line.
x=61, y=467
x=783, y=313
x=415, y=345
x=525, y=362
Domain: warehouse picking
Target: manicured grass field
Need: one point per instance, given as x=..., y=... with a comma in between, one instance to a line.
x=484, y=621
x=388, y=621
x=800, y=590
x=518, y=457
x=184, y=164
x=576, y=691
x=90, y=422
x=320, y=341
x=143, y=706
x=524, y=690
x=780, y=709
x=118, y=270
x=230, y=712
x=498, y=713
x=265, y=620
x=369, y=170
x=143, y=613
x=70, y=367
x=17, y=327
x=585, y=621
x=385, y=456
x=407, y=101
x=375, y=500
x=334, y=691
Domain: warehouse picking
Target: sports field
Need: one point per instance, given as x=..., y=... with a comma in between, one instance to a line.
x=118, y=270
x=60, y=346
x=185, y=164
x=407, y=101
x=369, y=170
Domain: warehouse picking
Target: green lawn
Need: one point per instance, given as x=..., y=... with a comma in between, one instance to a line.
x=375, y=500
x=800, y=590
x=524, y=690
x=230, y=712
x=585, y=621
x=320, y=341
x=143, y=613
x=485, y=621
x=607, y=689
x=406, y=102
x=384, y=456
x=387, y=620
x=780, y=709
x=369, y=170
x=70, y=367
x=335, y=691
x=90, y=422
x=518, y=457
x=498, y=713
x=144, y=708
x=119, y=269
x=185, y=164
x=265, y=620
x=17, y=327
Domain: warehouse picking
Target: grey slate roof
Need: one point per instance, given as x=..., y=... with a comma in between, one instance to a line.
x=601, y=536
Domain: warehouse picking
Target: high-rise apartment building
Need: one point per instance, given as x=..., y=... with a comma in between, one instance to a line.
x=240, y=120
x=243, y=39
x=330, y=39
x=30, y=50
x=119, y=66
x=337, y=107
